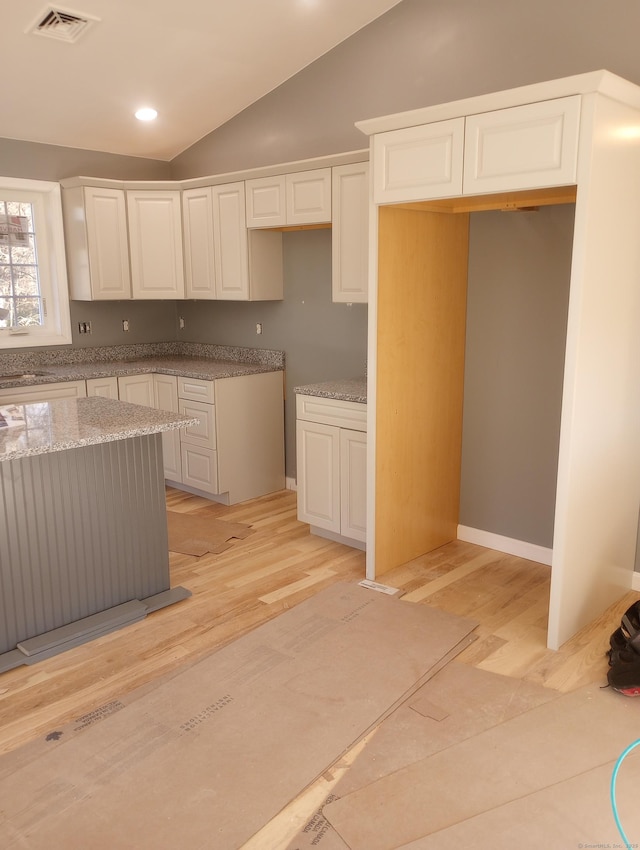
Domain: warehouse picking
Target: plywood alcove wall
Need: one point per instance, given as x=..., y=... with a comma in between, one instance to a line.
x=422, y=282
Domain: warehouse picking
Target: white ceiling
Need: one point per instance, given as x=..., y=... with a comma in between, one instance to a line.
x=198, y=62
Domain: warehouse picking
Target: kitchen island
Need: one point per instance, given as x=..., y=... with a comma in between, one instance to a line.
x=83, y=529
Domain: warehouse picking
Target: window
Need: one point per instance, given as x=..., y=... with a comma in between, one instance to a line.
x=34, y=303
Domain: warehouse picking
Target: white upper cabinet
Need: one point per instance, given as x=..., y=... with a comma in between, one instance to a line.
x=289, y=199
x=522, y=147
x=350, y=232
x=266, y=201
x=199, y=262
x=309, y=197
x=97, y=244
x=248, y=264
x=155, y=243
x=415, y=163
x=230, y=239
x=525, y=147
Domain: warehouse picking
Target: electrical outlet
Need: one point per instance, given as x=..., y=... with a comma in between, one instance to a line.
x=84, y=327
x=181, y=322
x=258, y=327
x=125, y=324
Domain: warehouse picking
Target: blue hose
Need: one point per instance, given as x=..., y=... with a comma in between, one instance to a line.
x=614, y=805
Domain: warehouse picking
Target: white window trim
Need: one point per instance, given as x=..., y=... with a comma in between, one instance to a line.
x=51, y=253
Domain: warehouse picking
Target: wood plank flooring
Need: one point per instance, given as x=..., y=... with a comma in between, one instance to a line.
x=275, y=568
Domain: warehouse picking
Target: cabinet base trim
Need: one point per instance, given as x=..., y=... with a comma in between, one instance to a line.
x=337, y=538
x=519, y=548
x=74, y=634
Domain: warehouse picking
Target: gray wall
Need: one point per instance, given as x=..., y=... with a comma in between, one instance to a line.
x=321, y=340
x=149, y=321
x=50, y=162
x=519, y=268
x=422, y=52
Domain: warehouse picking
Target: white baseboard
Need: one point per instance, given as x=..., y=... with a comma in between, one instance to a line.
x=519, y=548
x=635, y=582
x=290, y=484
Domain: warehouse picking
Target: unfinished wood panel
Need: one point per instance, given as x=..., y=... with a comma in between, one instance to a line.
x=525, y=200
x=422, y=281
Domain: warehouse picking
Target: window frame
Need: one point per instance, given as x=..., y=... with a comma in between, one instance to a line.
x=46, y=198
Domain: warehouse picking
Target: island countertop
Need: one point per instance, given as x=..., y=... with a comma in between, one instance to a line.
x=54, y=426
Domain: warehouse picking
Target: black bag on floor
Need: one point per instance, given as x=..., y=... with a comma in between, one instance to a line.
x=624, y=654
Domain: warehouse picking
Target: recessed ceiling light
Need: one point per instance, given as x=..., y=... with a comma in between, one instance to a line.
x=146, y=114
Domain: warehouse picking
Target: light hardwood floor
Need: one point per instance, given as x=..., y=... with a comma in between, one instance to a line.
x=273, y=569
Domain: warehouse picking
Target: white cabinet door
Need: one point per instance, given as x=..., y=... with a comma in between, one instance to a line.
x=165, y=389
x=43, y=392
x=248, y=262
x=199, y=263
x=266, y=201
x=155, y=244
x=524, y=147
x=350, y=232
x=353, y=484
x=97, y=243
x=199, y=468
x=230, y=239
x=204, y=433
x=418, y=163
x=137, y=389
x=105, y=387
x=318, y=474
x=289, y=199
x=309, y=196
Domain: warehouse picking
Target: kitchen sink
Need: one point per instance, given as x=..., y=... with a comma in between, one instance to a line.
x=23, y=376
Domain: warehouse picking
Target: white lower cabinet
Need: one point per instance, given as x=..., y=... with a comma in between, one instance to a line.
x=198, y=442
x=137, y=389
x=165, y=389
x=353, y=484
x=157, y=391
x=331, y=449
x=236, y=451
x=105, y=387
x=43, y=392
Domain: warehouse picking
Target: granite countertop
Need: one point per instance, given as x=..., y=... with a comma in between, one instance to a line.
x=349, y=389
x=53, y=426
x=187, y=367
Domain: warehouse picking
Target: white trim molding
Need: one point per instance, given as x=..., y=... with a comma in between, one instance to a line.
x=519, y=548
x=635, y=581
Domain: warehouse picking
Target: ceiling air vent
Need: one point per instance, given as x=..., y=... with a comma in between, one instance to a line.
x=63, y=24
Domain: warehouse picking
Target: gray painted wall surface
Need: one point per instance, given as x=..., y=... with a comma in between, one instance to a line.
x=519, y=269
x=50, y=162
x=149, y=321
x=321, y=340
x=422, y=52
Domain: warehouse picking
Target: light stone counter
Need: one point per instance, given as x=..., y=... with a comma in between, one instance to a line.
x=348, y=389
x=189, y=360
x=187, y=367
x=65, y=424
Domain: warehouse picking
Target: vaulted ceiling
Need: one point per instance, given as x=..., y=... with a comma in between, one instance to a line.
x=197, y=62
